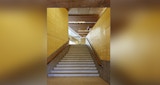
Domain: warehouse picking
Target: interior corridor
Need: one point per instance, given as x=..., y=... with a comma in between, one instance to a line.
x=37, y=37
x=79, y=49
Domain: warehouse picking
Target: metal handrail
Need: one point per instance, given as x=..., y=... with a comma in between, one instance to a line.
x=93, y=52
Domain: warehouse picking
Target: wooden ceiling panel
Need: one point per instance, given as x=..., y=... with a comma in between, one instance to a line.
x=80, y=26
x=78, y=3
x=88, y=18
x=90, y=11
x=84, y=18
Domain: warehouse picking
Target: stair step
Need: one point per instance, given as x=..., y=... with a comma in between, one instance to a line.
x=74, y=58
x=76, y=54
x=63, y=60
x=82, y=47
x=74, y=68
x=78, y=46
x=76, y=63
x=75, y=49
x=77, y=57
x=61, y=65
x=79, y=50
x=71, y=75
x=74, y=71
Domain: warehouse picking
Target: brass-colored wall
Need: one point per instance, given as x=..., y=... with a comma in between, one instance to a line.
x=99, y=36
x=57, y=28
x=22, y=39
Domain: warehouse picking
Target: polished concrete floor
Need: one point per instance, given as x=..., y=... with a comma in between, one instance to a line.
x=76, y=81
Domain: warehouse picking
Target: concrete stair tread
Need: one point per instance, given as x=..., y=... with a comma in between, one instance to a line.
x=74, y=68
x=76, y=63
x=77, y=57
x=85, y=52
x=76, y=60
x=77, y=70
x=77, y=54
x=81, y=50
x=70, y=75
x=59, y=65
x=74, y=71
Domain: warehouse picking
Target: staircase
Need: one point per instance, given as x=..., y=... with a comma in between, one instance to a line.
x=77, y=62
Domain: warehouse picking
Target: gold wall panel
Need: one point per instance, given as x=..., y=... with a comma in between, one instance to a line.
x=99, y=36
x=57, y=28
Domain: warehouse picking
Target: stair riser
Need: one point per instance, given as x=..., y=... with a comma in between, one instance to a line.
x=78, y=54
x=76, y=63
x=60, y=65
x=74, y=68
x=77, y=60
x=78, y=51
x=74, y=72
x=77, y=57
x=71, y=75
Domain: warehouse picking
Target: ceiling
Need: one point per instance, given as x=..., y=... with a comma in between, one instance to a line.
x=81, y=20
x=78, y=3
x=83, y=14
x=85, y=10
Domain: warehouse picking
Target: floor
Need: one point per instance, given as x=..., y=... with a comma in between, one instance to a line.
x=76, y=81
